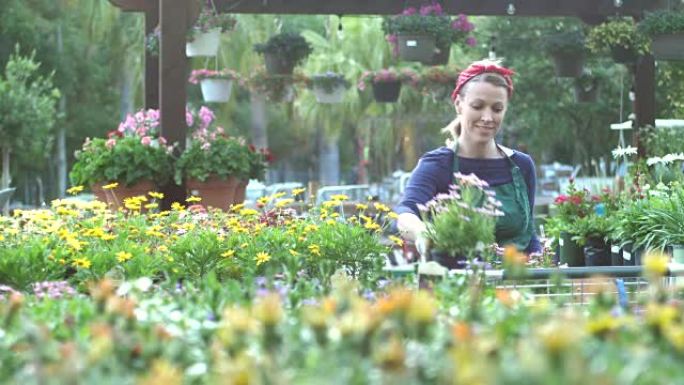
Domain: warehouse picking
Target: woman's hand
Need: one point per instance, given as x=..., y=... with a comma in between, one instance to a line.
x=423, y=247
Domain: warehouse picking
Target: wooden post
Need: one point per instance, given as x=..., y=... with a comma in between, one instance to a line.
x=151, y=61
x=172, y=86
x=644, y=103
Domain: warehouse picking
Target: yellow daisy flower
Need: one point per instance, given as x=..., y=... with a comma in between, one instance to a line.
x=261, y=258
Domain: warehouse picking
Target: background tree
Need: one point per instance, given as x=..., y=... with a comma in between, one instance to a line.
x=27, y=112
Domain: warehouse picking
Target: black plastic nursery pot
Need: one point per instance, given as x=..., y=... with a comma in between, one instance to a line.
x=448, y=260
x=387, y=92
x=570, y=252
x=631, y=255
x=596, y=252
x=568, y=65
x=616, y=255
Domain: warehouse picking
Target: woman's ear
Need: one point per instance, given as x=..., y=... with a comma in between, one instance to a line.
x=457, y=104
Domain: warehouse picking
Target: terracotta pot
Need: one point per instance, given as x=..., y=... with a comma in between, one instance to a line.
x=240, y=192
x=116, y=196
x=215, y=192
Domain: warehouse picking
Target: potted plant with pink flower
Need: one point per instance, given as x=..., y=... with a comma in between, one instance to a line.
x=216, y=85
x=215, y=166
x=132, y=160
x=387, y=83
x=425, y=34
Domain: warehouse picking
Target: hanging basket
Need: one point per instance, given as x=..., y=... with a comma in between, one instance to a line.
x=336, y=95
x=420, y=48
x=441, y=55
x=205, y=44
x=568, y=65
x=216, y=90
x=623, y=55
x=277, y=64
x=387, y=92
x=584, y=95
x=668, y=47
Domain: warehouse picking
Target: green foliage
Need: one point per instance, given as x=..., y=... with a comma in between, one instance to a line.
x=23, y=263
x=566, y=43
x=662, y=22
x=654, y=219
x=208, y=20
x=663, y=140
x=222, y=157
x=329, y=81
x=127, y=161
x=27, y=106
x=590, y=226
x=292, y=47
x=616, y=32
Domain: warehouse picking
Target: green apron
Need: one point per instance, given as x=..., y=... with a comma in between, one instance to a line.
x=515, y=226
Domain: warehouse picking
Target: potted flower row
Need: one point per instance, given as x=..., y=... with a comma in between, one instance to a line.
x=217, y=85
x=135, y=159
x=426, y=34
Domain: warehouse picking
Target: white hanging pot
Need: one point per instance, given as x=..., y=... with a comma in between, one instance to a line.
x=336, y=95
x=205, y=44
x=216, y=90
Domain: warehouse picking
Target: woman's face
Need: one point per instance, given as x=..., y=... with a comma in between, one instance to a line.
x=481, y=110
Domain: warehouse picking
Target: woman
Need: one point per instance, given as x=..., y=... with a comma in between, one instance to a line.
x=481, y=98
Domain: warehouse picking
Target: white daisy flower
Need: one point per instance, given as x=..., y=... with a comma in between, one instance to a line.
x=624, y=151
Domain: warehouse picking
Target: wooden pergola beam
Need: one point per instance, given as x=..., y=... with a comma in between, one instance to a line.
x=578, y=8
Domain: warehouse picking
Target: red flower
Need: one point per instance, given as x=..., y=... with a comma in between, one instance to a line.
x=576, y=200
x=114, y=133
x=561, y=199
x=268, y=155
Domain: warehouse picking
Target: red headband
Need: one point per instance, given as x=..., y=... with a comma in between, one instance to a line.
x=478, y=68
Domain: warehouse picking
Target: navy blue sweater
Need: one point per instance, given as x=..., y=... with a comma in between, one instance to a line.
x=435, y=170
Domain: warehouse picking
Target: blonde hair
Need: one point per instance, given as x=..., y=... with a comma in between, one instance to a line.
x=454, y=127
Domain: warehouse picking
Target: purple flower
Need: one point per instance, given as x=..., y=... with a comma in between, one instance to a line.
x=310, y=302
x=53, y=289
x=206, y=117
x=189, y=119
x=260, y=281
x=409, y=11
x=471, y=41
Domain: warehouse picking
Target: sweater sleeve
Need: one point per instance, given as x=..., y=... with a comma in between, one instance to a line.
x=527, y=167
x=432, y=175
